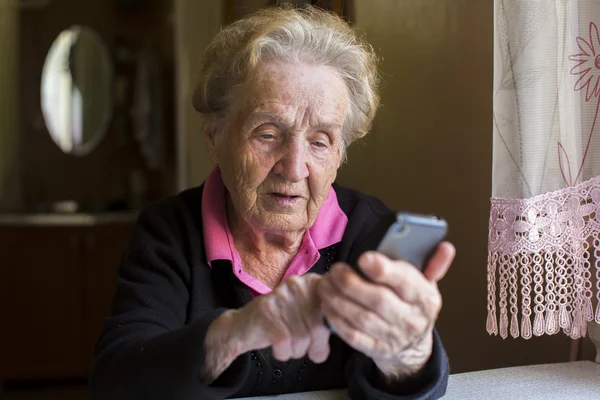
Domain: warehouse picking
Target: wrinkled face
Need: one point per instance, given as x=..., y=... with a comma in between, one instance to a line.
x=283, y=145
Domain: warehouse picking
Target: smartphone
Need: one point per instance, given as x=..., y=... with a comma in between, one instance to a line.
x=404, y=236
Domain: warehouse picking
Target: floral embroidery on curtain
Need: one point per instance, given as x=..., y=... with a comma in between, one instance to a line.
x=544, y=232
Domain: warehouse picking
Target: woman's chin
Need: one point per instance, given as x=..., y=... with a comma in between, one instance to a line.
x=280, y=222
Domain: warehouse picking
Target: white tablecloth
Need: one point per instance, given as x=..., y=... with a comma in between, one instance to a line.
x=324, y=395
x=574, y=381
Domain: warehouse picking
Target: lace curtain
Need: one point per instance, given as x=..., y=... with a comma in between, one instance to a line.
x=544, y=232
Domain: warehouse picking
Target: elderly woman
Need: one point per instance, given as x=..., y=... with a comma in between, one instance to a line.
x=225, y=288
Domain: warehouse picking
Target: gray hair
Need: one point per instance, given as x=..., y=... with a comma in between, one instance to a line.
x=290, y=34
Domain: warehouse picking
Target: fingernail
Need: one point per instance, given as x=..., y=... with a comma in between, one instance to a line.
x=367, y=256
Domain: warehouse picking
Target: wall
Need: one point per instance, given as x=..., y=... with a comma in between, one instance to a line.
x=430, y=151
x=196, y=24
x=103, y=175
x=9, y=28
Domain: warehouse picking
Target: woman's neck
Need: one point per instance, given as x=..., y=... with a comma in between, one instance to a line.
x=265, y=255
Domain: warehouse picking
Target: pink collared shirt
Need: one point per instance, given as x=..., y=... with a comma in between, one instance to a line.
x=328, y=229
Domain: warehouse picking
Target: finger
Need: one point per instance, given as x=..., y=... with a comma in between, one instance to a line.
x=378, y=343
x=378, y=298
x=356, y=339
x=358, y=316
x=404, y=324
x=379, y=268
x=404, y=279
x=440, y=262
x=277, y=329
x=319, y=349
x=296, y=302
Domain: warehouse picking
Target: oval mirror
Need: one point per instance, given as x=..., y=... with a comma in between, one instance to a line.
x=76, y=90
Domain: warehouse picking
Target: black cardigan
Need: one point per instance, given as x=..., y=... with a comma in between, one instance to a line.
x=167, y=296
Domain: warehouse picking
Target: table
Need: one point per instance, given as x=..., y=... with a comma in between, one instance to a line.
x=321, y=395
x=578, y=380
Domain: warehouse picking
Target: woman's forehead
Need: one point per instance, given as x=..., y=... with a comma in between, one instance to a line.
x=299, y=76
x=285, y=115
x=281, y=88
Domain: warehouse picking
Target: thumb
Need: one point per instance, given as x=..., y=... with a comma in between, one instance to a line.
x=440, y=262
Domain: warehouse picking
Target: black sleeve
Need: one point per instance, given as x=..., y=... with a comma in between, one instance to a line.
x=147, y=349
x=366, y=382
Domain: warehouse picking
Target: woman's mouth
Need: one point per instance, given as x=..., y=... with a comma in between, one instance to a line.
x=285, y=196
x=284, y=199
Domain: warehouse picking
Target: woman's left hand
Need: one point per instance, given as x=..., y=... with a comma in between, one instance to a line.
x=391, y=318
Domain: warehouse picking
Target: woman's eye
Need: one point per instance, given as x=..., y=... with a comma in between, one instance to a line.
x=320, y=144
x=266, y=132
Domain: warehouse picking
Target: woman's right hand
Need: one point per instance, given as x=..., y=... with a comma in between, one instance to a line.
x=288, y=319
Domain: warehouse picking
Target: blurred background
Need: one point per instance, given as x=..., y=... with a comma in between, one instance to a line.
x=96, y=121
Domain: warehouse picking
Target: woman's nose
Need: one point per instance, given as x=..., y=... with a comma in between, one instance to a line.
x=293, y=163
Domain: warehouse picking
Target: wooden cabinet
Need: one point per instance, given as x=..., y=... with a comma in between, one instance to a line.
x=105, y=248
x=41, y=288
x=56, y=285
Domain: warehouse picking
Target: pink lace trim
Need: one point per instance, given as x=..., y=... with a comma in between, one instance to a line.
x=540, y=256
